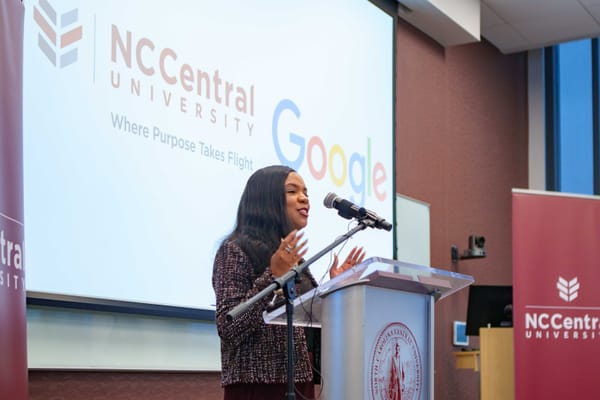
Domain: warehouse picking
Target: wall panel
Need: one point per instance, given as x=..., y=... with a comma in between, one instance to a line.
x=461, y=146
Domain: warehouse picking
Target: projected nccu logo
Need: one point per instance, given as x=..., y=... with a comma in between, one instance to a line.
x=58, y=34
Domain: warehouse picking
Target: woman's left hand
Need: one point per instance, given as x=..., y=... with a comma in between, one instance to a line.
x=355, y=256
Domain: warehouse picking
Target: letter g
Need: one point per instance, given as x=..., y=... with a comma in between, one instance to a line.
x=284, y=105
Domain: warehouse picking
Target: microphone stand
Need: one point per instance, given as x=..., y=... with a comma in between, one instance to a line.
x=287, y=282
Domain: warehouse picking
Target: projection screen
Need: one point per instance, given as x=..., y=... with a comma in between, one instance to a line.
x=144, y=119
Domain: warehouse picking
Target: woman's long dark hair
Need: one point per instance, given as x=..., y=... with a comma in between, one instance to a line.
x=262, y=219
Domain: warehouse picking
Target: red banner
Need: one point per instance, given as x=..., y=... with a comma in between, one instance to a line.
x=556, y=295
x=13, y=337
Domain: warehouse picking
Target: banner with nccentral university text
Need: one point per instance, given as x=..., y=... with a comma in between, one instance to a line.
x=13, y=337
x=556, y=289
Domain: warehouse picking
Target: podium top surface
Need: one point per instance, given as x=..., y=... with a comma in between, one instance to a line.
x=378, y=272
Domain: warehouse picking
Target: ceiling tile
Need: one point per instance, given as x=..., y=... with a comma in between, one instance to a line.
x=513, y=11
x=504, y=37
x=489, y=18
x=594, y=11
x=590, y=2
x=557, y=28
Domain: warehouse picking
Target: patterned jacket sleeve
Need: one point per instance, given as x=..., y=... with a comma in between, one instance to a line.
x=234, y=282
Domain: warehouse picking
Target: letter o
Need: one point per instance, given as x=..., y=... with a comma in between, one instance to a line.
x=318, y=143
x=337, y=149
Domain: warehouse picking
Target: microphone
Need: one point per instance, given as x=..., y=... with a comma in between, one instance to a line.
x=347, y=209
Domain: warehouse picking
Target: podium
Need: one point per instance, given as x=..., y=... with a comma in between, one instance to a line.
x=377, y=328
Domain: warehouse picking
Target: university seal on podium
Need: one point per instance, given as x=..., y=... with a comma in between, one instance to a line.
x=396, y=370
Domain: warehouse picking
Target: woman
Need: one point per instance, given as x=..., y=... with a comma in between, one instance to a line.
x=264, y=245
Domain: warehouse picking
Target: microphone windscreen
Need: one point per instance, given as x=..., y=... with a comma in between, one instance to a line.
x=329, y=200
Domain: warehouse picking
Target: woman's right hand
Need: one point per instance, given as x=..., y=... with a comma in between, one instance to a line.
x=288, y=254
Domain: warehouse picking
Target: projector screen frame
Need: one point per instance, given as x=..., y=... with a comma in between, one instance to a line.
x=117, y=306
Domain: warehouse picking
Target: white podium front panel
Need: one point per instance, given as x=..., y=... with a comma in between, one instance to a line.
x=378, y=342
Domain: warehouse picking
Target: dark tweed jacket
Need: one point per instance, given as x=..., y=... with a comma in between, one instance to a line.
x=251, y=350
